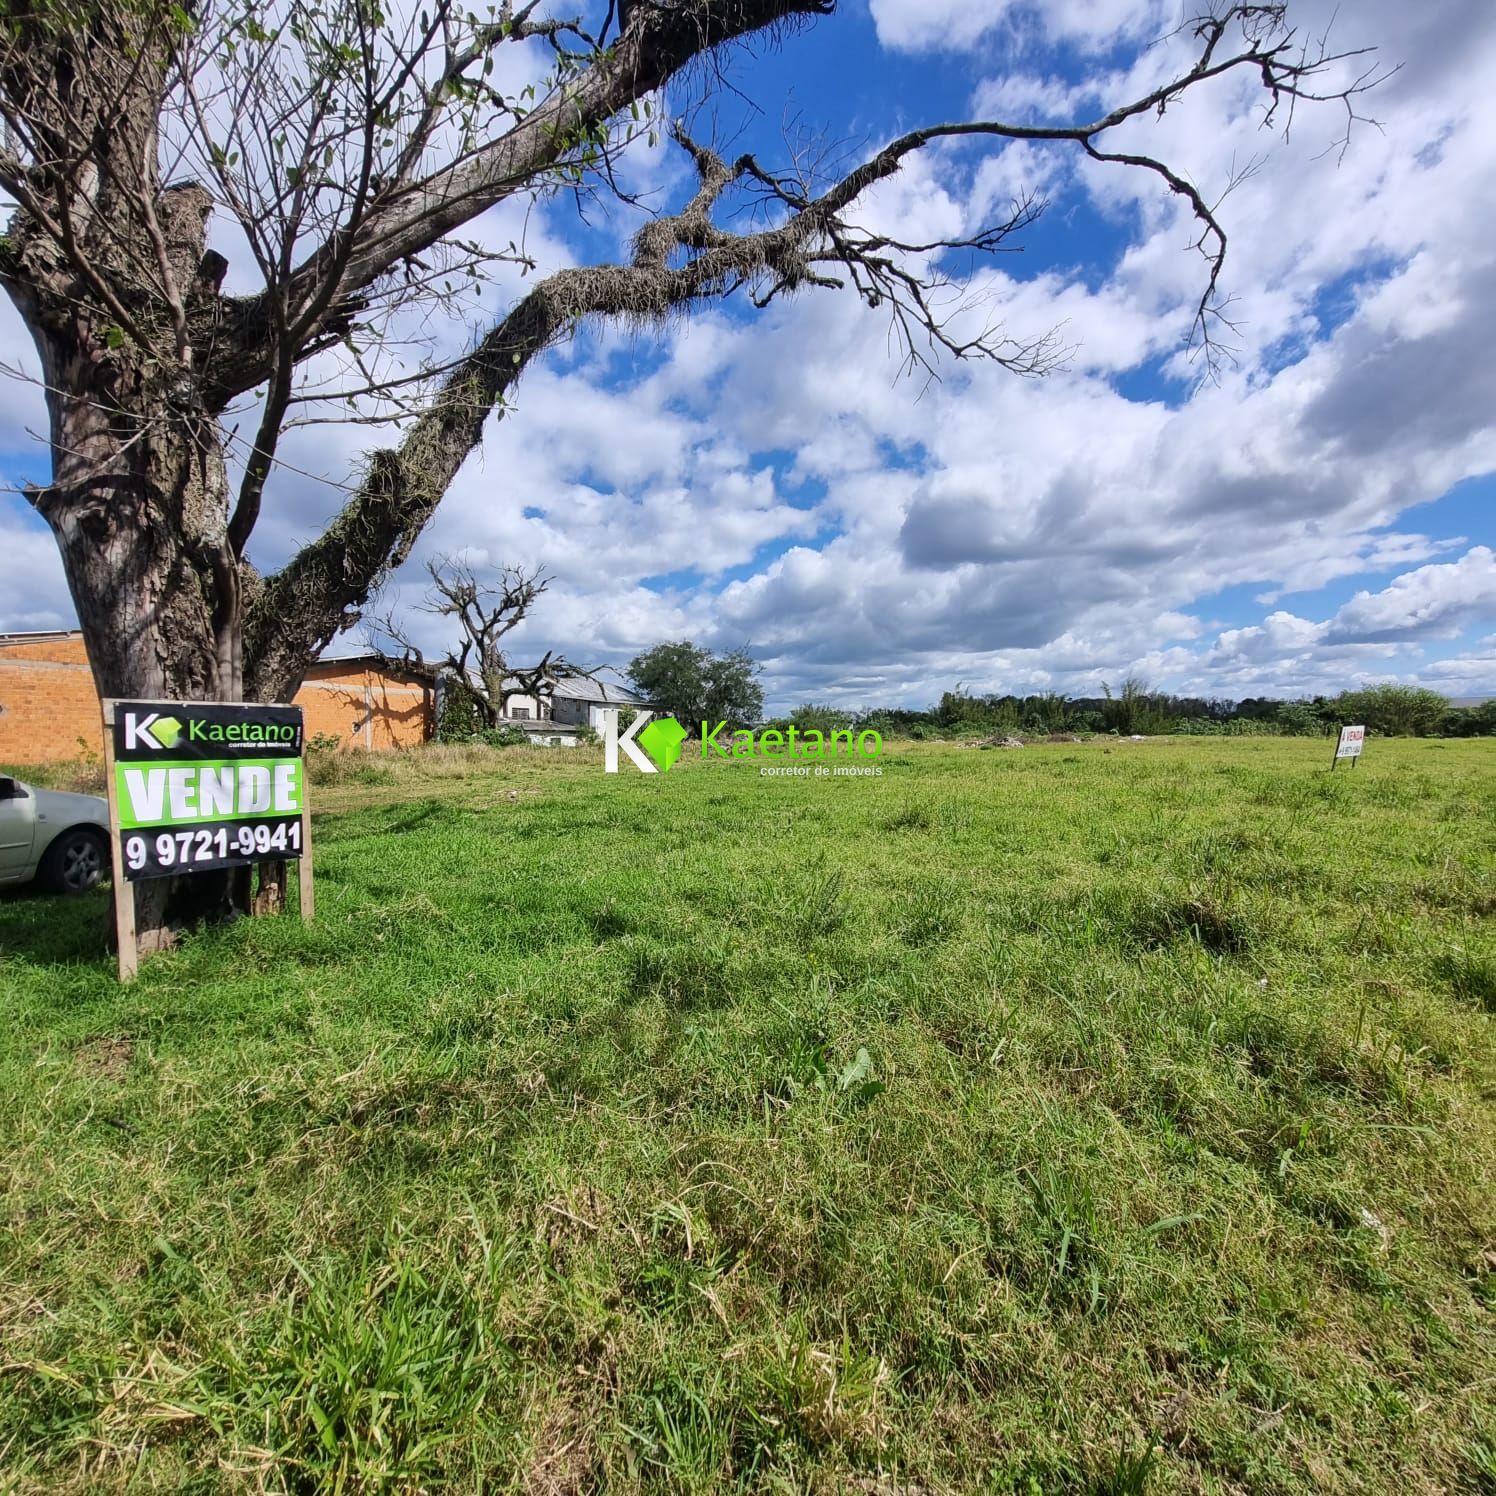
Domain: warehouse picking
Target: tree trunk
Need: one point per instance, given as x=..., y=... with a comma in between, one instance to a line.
x=139, y=505
x=139, y=497
x=155, y=621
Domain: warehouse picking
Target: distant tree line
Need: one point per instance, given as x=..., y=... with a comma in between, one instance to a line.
x=1389, y=710
x=694, y=684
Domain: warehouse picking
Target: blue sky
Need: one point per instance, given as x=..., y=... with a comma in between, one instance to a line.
x=1322, y=515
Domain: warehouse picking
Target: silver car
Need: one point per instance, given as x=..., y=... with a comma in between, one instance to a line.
x=61, y=840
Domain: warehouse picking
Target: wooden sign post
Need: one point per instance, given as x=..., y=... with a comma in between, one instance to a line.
x=124, y=890
x=306, y=895
x=197, y=787
x=1352, y=740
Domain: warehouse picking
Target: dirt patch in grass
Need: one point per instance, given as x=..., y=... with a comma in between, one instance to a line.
x=105, y=1058
x=564, y=1457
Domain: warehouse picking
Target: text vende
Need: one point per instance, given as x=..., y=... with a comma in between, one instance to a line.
x=167, y=794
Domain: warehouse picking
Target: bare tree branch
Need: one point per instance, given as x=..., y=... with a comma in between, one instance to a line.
x=484, y=614
x=412, y=215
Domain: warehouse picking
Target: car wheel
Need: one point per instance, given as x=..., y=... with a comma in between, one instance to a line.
x=77, y=861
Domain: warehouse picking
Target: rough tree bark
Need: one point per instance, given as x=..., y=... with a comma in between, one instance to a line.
x=138, y=494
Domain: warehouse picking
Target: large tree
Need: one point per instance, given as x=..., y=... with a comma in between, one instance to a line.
x=340, y=150
x=693, y=685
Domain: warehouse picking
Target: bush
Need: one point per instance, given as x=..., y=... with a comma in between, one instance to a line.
x=1468, y=721
x=1393, y=710
x=1135, y=708
x=347, y=768
x=1236, y=727
x=987, y=714
x=505, y=736
x=460, y=720
x=1298, y=719
x=1048, y=712
x=812, y=717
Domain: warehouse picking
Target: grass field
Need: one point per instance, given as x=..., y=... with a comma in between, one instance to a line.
x=1091, y=1117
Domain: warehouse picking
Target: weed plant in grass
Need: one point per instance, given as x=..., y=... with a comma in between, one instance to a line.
x=1060, y=1120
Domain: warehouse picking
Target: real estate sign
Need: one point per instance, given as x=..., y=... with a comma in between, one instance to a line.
x=200, y=785
x=1352, y=739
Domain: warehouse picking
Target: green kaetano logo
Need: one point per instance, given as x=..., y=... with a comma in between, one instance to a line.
x=654, y=744
x=167, y=731
x=661, y=740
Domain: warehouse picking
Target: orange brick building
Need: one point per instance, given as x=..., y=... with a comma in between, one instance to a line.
x=49, y=708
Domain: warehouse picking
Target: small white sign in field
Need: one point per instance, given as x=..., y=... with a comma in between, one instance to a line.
x=1352, y=740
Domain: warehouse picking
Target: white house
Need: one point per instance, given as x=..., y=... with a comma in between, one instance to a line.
x=583, y=701
x=573, y=704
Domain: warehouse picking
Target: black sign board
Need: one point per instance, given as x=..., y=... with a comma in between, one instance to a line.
x=198, y=786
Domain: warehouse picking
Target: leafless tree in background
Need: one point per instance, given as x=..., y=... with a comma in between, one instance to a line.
x=483, y=615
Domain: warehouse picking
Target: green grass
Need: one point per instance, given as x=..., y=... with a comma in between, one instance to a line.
x=1103, y=1118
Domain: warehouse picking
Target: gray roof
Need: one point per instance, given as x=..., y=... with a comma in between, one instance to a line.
x=541, y=727
x=30, y=636
x=601, y=693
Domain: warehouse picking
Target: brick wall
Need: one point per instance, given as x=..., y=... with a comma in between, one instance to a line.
x=49, y=709
x=47, y=701
x=364, y=708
